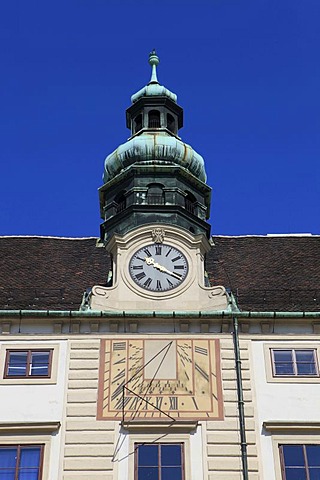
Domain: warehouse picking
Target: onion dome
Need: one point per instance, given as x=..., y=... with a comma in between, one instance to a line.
x=154, y=119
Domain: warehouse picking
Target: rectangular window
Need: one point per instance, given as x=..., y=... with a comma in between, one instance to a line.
x=21, y=462
x=300, y=462
x=294, y=362
x=159, y=461
x=28, y=363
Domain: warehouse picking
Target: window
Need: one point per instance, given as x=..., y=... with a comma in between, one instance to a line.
x=28, y=363
x=170, y=123
x=155, y=194
x=137, y=123
x=300, y=462
x=294, y=362
x=190, y=202
x=154, y=119
x=21, y=462
x=159, y=461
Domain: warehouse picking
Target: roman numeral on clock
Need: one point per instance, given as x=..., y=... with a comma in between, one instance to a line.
x=137, y=267
x=159, y=287
x=147, y=282
x=147, y=252
x=179, y=267
x=140, y=276
x=158, y=249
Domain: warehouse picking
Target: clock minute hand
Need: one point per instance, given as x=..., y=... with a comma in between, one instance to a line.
x=150, y=261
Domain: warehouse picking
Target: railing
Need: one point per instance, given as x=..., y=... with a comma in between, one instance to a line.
x=155, y=199
x=189, y=205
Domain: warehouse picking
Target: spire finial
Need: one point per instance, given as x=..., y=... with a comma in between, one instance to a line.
x=153, y=61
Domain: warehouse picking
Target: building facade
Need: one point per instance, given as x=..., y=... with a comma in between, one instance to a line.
x=187, y=357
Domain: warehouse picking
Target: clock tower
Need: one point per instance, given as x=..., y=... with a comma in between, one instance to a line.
x=155, y=204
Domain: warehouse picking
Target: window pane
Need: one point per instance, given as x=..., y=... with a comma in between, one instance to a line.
x=17, y=363
x=8, y=457
x=293, y=455
x=305, y=355
x=314, y=473
x=40, y=363
x=148, y=455
x=284, y=368
x=7, y=475
x=306, y=369
x=313, y=455
x=282, y=356
x=29, y=457
x=171, y=473
x=148, y=473
x=30, y=474
x=170, y=455
x=296, y=474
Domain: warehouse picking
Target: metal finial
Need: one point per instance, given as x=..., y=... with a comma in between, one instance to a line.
x=153, y=61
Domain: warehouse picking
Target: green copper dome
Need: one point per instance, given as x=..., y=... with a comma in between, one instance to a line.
x=157, y=148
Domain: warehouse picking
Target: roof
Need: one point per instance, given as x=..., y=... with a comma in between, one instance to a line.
x=265, y=273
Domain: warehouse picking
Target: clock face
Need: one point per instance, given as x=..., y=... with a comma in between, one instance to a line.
x=158, y=267
x=157, y=378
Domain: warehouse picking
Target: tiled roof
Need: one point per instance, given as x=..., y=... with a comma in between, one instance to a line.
x=280, y=273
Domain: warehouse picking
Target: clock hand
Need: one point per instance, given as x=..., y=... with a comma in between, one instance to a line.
x=150, y=261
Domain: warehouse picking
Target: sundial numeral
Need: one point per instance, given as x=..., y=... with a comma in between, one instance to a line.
x=195, y=403
x=158, y=249
x=159, y=401
x=173, y=403
x=123, y=360
x=119, y=346
x=119, y=376
x=140, y=276
x=201, y=350
x=147, y=252
x=202, y=372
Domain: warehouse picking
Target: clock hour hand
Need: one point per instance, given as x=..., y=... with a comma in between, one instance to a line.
x=150, y=261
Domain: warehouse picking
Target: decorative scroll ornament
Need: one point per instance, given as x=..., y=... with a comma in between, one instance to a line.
x=158, y=235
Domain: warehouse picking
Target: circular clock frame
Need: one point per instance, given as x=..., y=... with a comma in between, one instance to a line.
x=158, y=268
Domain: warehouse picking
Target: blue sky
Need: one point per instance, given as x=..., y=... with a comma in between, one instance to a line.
x=247, y=74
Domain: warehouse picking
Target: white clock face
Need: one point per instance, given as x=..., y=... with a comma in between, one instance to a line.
x=158, y=267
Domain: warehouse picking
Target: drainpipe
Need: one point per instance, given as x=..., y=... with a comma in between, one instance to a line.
x=244, y=455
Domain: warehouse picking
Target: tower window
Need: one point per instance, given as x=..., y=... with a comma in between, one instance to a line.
x=170, y=123
x=154, y=119
x=121, y=202
x=155, y=194
x=190, y=202
x=137, y=123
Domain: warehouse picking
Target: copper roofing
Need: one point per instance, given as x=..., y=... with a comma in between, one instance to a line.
x=279, y=273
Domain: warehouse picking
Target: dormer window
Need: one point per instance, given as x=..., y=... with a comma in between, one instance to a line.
x=171, y=123
x=137, y=123
x=154, y=119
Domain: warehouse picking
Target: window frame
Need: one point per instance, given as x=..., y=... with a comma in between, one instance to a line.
x=295, y=363
x=29, y=352
x=25, y=445
x=24, y=346
x=271, y=377
x=298, y=444
x=159, y=444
